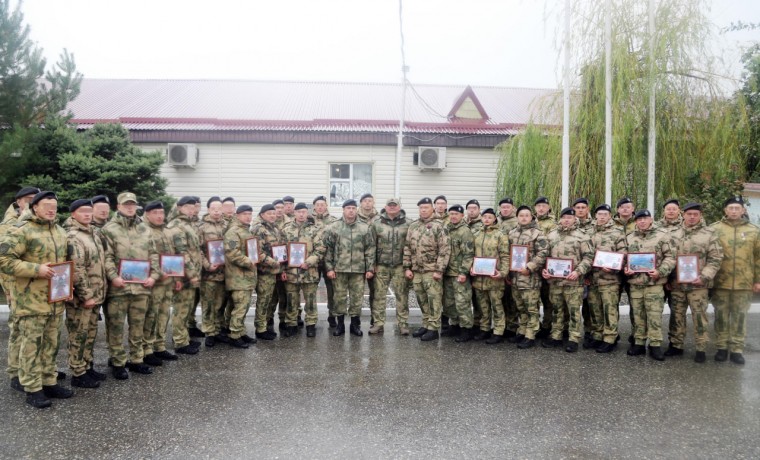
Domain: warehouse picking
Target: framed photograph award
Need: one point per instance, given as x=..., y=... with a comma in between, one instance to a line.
x=134, y=271
x=518, y=258
x=172, y=265
x=215, y=252
x=559, y=268
x=296, y=254
x=484, y=266
x=252, y=249
x=280, y=253
x=640, y=262
x=61, y=285
x=610, y=260
x=687, y=268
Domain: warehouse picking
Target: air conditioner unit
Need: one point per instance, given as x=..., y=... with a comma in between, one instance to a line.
x=431, y=158
x=182, y=155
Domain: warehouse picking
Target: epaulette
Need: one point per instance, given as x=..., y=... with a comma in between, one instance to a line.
x=20, y=223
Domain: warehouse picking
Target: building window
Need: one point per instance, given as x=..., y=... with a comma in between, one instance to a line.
x=349, y=180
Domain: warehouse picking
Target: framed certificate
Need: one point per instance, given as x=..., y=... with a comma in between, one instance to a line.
x=252, y=249
x=559, y=268
x=280, y=253
x=518, y=258
x=610, y=260
x=687, y=269
x=61, y=285
x=215, y=252
x=642, y=261
x=172, y=265
x=134, y=271
x=296, y=254
x=484, y=266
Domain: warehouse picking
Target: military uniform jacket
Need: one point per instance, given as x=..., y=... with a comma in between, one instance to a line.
x=29, y=244
x=427, y=247
x=444, y=218
x=208, y=231
x=493, y=243
x=239, y=271
x=349, y=247
x=658, y=241
x=186, y=241
x=546, y=223
x=610, y=238
x=268, y=235
x=507, y=223
x=162, y=242
x=366, y=217
x=128, y=239
x=461, y=241
x=85, y=248
x=586, y=225
x=390, y=237
x=627, y=227
x=740, y=268
x=475, y=224
x=309, y=234
x=538, y=248
x=673, y=226
x=10, y=218
x=571, y=243
x=702, y=241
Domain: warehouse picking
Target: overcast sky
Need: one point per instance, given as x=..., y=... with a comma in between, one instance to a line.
x=477, y=42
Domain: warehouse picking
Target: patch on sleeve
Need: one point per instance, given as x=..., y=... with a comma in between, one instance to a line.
x=232, y=244
x=4, y=248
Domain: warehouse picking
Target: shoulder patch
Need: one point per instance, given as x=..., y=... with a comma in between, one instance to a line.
x=4, y=248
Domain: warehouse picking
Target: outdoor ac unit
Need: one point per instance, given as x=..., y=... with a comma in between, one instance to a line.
x=182, y=155
x=432, y=158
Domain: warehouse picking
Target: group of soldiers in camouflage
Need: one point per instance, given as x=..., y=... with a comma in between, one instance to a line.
x=434, y=256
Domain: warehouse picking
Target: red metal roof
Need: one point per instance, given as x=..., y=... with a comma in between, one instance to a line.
x=237, y=105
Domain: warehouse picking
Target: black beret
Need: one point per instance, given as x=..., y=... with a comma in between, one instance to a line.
x=229, y=198
x=580, y=200
x=100, y=199
x=301, y=206
x=349, y=202
x=440, y=197
x=186, y=200
x=43, y=196
x=213, y=199
x=473, y=201
x=276, y=202
x=506, y=200
x=288, y=199
x=673, y=201
x=266, y=207
x=425, y=200
x=488, y=211
x=694, y=206
x=197, y=199
x=623, y=201
x=26, y=191
x=366, y=195
x=154, y=205
x=603, y=207
x=244, y=208
x=76, y=204
x=642, y=213
x=566, y=211
x=734, y=200
x=319, y=198
x=458, y=208
x=541, y=199
x=524, y=206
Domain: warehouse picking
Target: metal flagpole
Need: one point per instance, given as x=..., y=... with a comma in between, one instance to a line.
x=566, y=113
x=652, y=133
x=608, y=103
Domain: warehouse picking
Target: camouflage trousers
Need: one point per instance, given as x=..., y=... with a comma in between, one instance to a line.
x=190, y=320
x=604, y=311
x=731, y=309
x=330, y=290
x=241, y=302
x=647, y=304
x=680, y=301
x=351, y=286
x=279, y=301
x=82, y=326
x=546, y=305
x=526, y=301
x=429, y=293
x=264, y=292
x=293, y=292
x=226, y=310
x=477, y=315
x=154, y=335
x=386, y=276
x=568, y=298
x=133, y=308
x=14, y=344
x=457, y=301
x=491, y=309
x=39, y=348
x=212, y=298
x=184, y=304
x=511, y=314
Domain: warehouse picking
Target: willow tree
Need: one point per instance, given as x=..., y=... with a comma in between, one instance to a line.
x=699, y=129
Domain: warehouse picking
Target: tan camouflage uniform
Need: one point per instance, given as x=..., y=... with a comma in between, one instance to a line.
x=390, y=237
x=157, y=318
x=240, y=274
x=268, y=269
x=604, y=292
x=212, y=283
x=457, y=299
x=546, y=223
x=427, y=251
x=526, y=289
x=185, y=241
x=491, y=242
x=14, y=343
x=304, y=281
x=322, y=221
x=350, y=253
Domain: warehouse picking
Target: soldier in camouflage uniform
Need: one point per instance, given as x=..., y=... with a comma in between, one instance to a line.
x=304, y=277
x=507, y=221
x=26, y=253
x=268, y=235
x=85, y=249
x=526, y=282
x=322, y=219
x=604, y=292
x=546, y=223
x=288, y=207
x=567, y=241
x=737, y=279
x=279, y=300
x=212, y=228
x=624, y=220
x=457, y=289
x=368, y=214
x=228, y=214
x=127, y=240
x=671, y=221
x=475, y=224
x=349, y=260
x=240, y=273
x=390, y=236
x=647, y=295
x=426, y=256
x=440, y=203
x=101, y=211
x=701, y=241
x=586, y=225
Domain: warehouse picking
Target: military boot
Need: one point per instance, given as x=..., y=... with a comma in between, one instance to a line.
x=355, y=327
x=340, y=325
x=465, y=335
x=494, y=339
x=57, y=391
x=311, y=330
x=656, y=353
x=452, y=330
x=419, y=332
x=16, y=385
x=700, y=357
x=38, y=399
x=331, y=321
x=673, y=351
x=636, y=350
x=429, y=335
x=526, y=343
x=721, y=355
x=737, y=358
x=481, y=335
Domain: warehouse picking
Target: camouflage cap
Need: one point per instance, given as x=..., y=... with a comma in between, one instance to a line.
x=394, y=201
x=126, y=197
